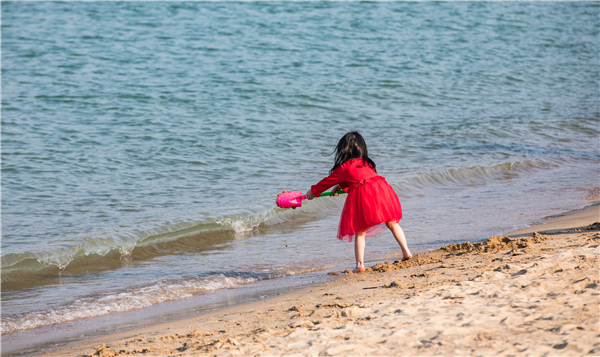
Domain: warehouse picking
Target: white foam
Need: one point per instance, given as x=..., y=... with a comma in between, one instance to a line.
x=121, y=301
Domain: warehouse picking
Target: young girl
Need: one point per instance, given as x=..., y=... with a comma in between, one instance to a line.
x=371, y=204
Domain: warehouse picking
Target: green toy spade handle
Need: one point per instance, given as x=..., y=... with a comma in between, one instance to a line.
x=331, y=193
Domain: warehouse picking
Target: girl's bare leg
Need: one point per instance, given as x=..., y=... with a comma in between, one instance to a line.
x=400, y=238
x=359, y=251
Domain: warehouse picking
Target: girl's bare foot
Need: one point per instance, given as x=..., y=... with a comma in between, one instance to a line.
x=358, y=270
x=406, y=257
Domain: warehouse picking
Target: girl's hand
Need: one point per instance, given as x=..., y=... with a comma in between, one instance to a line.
x=336, y=188
x=309, y=195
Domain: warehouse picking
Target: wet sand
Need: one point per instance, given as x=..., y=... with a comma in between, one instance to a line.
x=524, y=293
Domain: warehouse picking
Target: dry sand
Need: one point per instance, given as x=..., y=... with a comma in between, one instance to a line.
x=532, y=294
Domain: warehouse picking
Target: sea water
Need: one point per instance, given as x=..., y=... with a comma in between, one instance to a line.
x=144, y=143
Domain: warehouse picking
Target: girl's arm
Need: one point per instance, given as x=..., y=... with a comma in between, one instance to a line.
x=335, y=179
x=310, y=196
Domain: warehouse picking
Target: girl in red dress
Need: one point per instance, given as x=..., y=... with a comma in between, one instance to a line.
x=371, y=205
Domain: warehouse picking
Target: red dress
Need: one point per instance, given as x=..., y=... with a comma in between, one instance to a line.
x=371, y=201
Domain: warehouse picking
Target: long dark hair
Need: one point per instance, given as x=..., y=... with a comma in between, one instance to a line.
x=351, y=146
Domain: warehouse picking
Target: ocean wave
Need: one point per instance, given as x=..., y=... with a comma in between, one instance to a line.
x=415, y=183
x=110, y=247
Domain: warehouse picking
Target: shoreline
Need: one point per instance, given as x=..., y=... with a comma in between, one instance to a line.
x=482, y=297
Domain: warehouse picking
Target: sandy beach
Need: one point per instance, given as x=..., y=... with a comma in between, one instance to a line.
x=530, y=292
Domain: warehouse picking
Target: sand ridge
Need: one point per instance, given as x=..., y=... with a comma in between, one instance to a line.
x=536, y=295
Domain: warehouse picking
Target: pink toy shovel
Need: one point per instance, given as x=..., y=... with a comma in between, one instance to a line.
x=293, y=199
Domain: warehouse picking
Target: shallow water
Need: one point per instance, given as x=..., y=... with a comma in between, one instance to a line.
x=143, y=144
